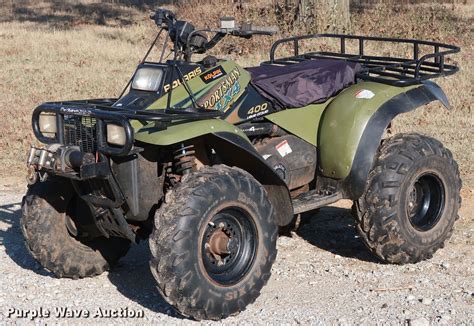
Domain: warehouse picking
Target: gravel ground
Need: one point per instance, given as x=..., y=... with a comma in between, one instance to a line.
x=322, y=275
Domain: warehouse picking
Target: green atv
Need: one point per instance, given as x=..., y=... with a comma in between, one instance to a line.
x=210, y=160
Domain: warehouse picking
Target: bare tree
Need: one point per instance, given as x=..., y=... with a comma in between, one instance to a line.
x=332, y=15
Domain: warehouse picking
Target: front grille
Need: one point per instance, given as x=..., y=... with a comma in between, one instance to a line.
x=80, y=131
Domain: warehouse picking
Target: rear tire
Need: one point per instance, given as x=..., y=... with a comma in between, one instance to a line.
x=411, y=199
x=49, y=241
x=214, y=243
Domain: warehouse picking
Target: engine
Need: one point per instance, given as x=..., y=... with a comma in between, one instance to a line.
x=293, y=159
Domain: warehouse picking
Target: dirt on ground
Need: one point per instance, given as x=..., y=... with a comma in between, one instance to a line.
x=323, y=275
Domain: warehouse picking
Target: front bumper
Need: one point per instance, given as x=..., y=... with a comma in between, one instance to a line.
x=93, y=182
x=66, y=161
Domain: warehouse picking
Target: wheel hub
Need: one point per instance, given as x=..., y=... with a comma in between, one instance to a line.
x=218, y=243
x=415, y=199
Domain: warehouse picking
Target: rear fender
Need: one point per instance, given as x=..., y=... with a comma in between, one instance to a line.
x=352, y=127
x=233, y=149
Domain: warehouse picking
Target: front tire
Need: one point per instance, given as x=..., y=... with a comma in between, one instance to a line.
x=411, y=199
x=47, y=211
x=214, y=243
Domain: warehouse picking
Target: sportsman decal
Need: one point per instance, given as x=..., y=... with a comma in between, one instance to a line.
x=222, y=94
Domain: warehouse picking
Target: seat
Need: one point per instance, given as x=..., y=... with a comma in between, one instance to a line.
x=304, y=83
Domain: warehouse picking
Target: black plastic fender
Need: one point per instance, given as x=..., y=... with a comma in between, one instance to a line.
x=354, y=184
x=235, y=151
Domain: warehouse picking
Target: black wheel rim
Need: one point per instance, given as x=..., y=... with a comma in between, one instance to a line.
x=229, y=246
x=425, y=202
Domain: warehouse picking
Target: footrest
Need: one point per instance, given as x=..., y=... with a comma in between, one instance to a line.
x=313, y=200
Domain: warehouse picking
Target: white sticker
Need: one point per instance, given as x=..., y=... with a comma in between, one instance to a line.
x=283, y=148
x=365, y=93
x=266, y=156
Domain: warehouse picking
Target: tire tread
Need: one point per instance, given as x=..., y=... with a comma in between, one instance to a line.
x=376, y=211
x=166, y=247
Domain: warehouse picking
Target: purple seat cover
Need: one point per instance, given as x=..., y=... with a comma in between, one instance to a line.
x=304, y=83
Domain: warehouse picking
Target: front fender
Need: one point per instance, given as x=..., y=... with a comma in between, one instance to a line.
x=351, y=127
x=178, y=132
x=233, y=149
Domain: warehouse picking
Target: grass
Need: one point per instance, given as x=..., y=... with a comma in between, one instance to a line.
x=69, y=55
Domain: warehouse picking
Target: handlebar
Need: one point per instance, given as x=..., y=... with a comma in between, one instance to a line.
x=166, y=18
x=259, y=30
x=190, y=40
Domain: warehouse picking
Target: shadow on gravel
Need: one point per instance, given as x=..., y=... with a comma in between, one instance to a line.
x=12, y=239
x=133, y=278
x=333, y=229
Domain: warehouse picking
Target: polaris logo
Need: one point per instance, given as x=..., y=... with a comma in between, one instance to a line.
x=222, y=94
x=83, y=112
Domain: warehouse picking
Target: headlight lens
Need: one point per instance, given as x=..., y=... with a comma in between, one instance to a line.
x=147, y=79
x=47, y=123
x=115, y=135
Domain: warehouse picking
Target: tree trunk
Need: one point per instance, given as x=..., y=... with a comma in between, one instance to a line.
x=319, y=16
x=335, y=13
x=342, y=12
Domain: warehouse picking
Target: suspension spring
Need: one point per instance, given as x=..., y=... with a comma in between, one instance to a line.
x=184, y=159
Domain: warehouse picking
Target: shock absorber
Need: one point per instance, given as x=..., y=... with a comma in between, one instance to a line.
x=184, y=159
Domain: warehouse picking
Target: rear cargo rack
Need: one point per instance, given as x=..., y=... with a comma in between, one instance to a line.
x=396, y=71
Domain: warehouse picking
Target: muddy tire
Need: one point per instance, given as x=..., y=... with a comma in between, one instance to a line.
x=411, y=199
x=214, y=243
x=44, y=216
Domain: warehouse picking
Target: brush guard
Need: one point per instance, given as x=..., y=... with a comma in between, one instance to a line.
x=90, y=118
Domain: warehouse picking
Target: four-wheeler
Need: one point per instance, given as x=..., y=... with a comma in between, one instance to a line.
x=210, y=160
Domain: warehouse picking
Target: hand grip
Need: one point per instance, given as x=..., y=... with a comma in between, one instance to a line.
x=264, y=30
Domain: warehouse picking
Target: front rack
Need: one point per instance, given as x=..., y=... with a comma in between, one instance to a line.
x=396, y=71
x=100, y=112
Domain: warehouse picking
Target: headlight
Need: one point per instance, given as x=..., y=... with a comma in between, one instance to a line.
x=115, y=135
x=147, y=79
x=47, y=123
